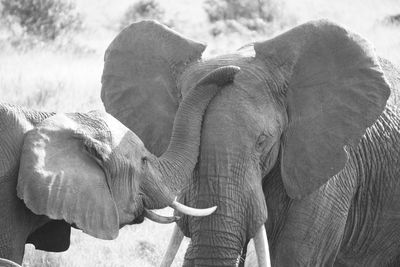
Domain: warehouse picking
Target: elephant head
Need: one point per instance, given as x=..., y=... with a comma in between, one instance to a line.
x=299, y=100
x=92, y=171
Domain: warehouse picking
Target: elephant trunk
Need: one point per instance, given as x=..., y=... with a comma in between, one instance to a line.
x=260, y=244
x=218, y=239
x=229, y=178
x=213, y=247
x=177, y=163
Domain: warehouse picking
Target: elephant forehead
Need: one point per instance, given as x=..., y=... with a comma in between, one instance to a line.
x=232, y=118
x=238, y=116
x=253, y=76
x=198, y=70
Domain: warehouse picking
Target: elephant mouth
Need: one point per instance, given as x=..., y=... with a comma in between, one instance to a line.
x=154, y=217
x=138, y=220
x=151, y=215
x=142, y=212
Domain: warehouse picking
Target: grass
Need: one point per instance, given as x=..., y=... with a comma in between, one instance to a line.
x=51, y=81
x=138, y=245
x=68, y=80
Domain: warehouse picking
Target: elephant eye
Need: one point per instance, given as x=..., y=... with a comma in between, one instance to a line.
x=261, y=142
x=144, y=160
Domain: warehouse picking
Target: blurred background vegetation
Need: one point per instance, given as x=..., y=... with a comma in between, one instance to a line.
x=51, y=54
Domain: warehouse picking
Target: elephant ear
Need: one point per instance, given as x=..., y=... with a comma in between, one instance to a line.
x=334, y=89
x=139, y=82
x=61, y=176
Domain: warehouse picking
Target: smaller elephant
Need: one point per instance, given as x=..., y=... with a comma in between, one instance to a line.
x=91, y=172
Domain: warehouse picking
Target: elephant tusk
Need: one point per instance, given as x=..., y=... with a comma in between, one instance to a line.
x=158, y=218
x=261, y=246
x=192, y=211
x=173, y=246
x=8, y=263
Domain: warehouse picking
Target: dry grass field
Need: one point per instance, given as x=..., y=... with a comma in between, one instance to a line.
x=67, y=80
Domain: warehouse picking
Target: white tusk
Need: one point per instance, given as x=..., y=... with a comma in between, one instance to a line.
x=262, y=249
x=192, y=211
x=8, y=263
x=173, y=246
x=158, y=218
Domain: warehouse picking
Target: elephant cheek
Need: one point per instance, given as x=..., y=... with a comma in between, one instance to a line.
x=269, y=159
x=256, y=213
x=155, y=193
x=133, y=212
x=253, y=199
x=128, y=198
x=138, y=220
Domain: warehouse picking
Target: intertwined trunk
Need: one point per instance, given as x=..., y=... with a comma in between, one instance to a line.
x=217, y=240
x=177, y=163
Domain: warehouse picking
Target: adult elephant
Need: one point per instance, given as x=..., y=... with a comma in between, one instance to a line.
x=303, y=132
x=91, y=171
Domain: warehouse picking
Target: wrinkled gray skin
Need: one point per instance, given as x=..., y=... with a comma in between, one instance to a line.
x=89, y=170
x=272, y=146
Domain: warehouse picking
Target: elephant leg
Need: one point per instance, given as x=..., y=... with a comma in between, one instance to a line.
x=15, y=229
x=315, y=225
x=15, y=236
x=18, y=250
x=49, y=236
x=12, y=245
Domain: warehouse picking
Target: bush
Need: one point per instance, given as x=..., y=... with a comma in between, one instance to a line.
x=254, y=15
x=393, y=19
x=144, y=9
x=43, y=20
